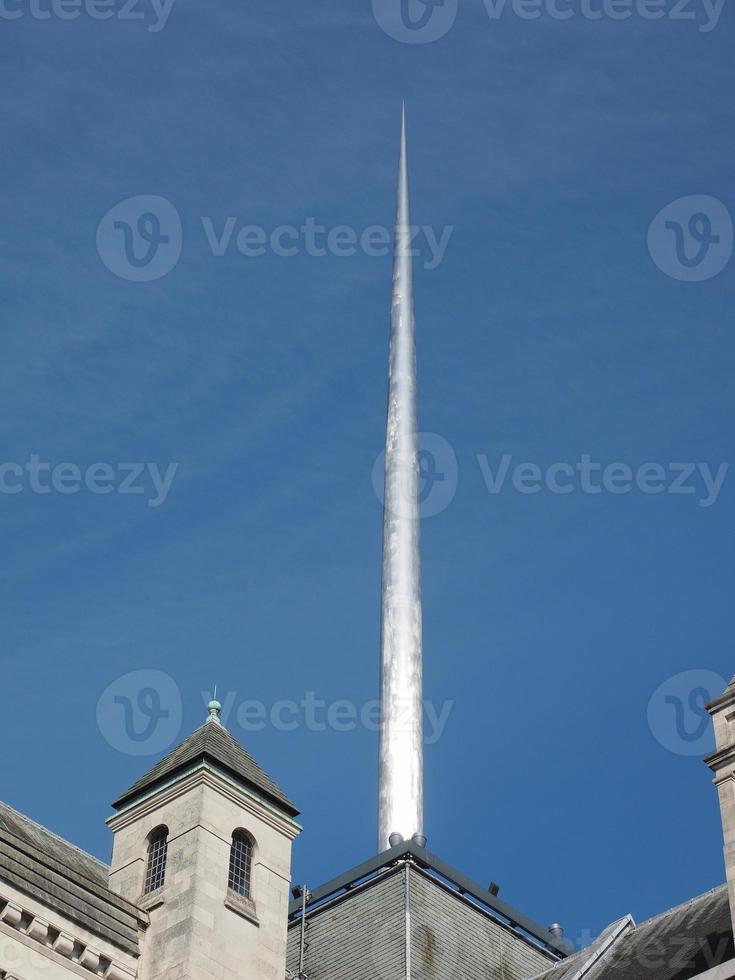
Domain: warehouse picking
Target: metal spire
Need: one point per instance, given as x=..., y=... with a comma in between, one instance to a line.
x=401, y=805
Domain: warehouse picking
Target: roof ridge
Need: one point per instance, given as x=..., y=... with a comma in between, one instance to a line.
x=62, y=840
x=681, y=905
x=215, y=743
x=100, y=889
x=219, y=730
x=585, y=961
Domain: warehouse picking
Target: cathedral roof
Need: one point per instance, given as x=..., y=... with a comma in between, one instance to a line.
x=60, y=876
x=406, y=914
x=682, y=942
x=214, y=744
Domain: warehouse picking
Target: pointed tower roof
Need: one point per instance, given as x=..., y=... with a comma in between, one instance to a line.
x=211, y=743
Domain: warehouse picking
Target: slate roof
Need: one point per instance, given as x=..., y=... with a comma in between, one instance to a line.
x=678, y=944
x=451, y=939
x=405, y=915
x=580, y=965
x=404, y=925
x=65, y=879
x=397, y=918
x=211, y=742
x=359, y=939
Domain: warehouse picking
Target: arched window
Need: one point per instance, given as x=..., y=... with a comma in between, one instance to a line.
x=155, y=872
x=241, y=863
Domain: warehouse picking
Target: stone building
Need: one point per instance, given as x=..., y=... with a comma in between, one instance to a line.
x=199, y=888
x=199, y=885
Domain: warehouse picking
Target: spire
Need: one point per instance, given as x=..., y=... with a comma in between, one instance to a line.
x=401, y=735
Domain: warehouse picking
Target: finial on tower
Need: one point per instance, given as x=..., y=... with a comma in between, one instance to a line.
x=401, y=801
x=214, y=708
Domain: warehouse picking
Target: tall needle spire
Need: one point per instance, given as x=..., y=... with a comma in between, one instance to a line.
x=401, y=802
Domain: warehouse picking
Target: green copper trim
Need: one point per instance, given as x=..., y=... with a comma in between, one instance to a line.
x=210, y=767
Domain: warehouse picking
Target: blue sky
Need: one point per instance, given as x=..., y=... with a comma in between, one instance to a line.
x=546, y=332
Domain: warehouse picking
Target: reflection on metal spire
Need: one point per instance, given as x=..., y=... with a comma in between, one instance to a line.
x=401, y=737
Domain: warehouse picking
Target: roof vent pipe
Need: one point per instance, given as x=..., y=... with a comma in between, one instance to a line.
x=556, y=930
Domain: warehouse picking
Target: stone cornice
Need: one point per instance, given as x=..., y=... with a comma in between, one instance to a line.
x=723, y=757
x=723, y=700
x=206, y=774
x=56, y=943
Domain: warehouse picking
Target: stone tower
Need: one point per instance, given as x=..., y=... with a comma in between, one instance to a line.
x=203, y=844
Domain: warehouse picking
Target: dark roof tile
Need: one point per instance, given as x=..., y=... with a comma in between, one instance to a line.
x=65, y=879
x=677, y=944
x=214, y=743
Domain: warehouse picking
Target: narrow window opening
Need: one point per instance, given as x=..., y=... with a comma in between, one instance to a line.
x=155, y=874
x=241, y=861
